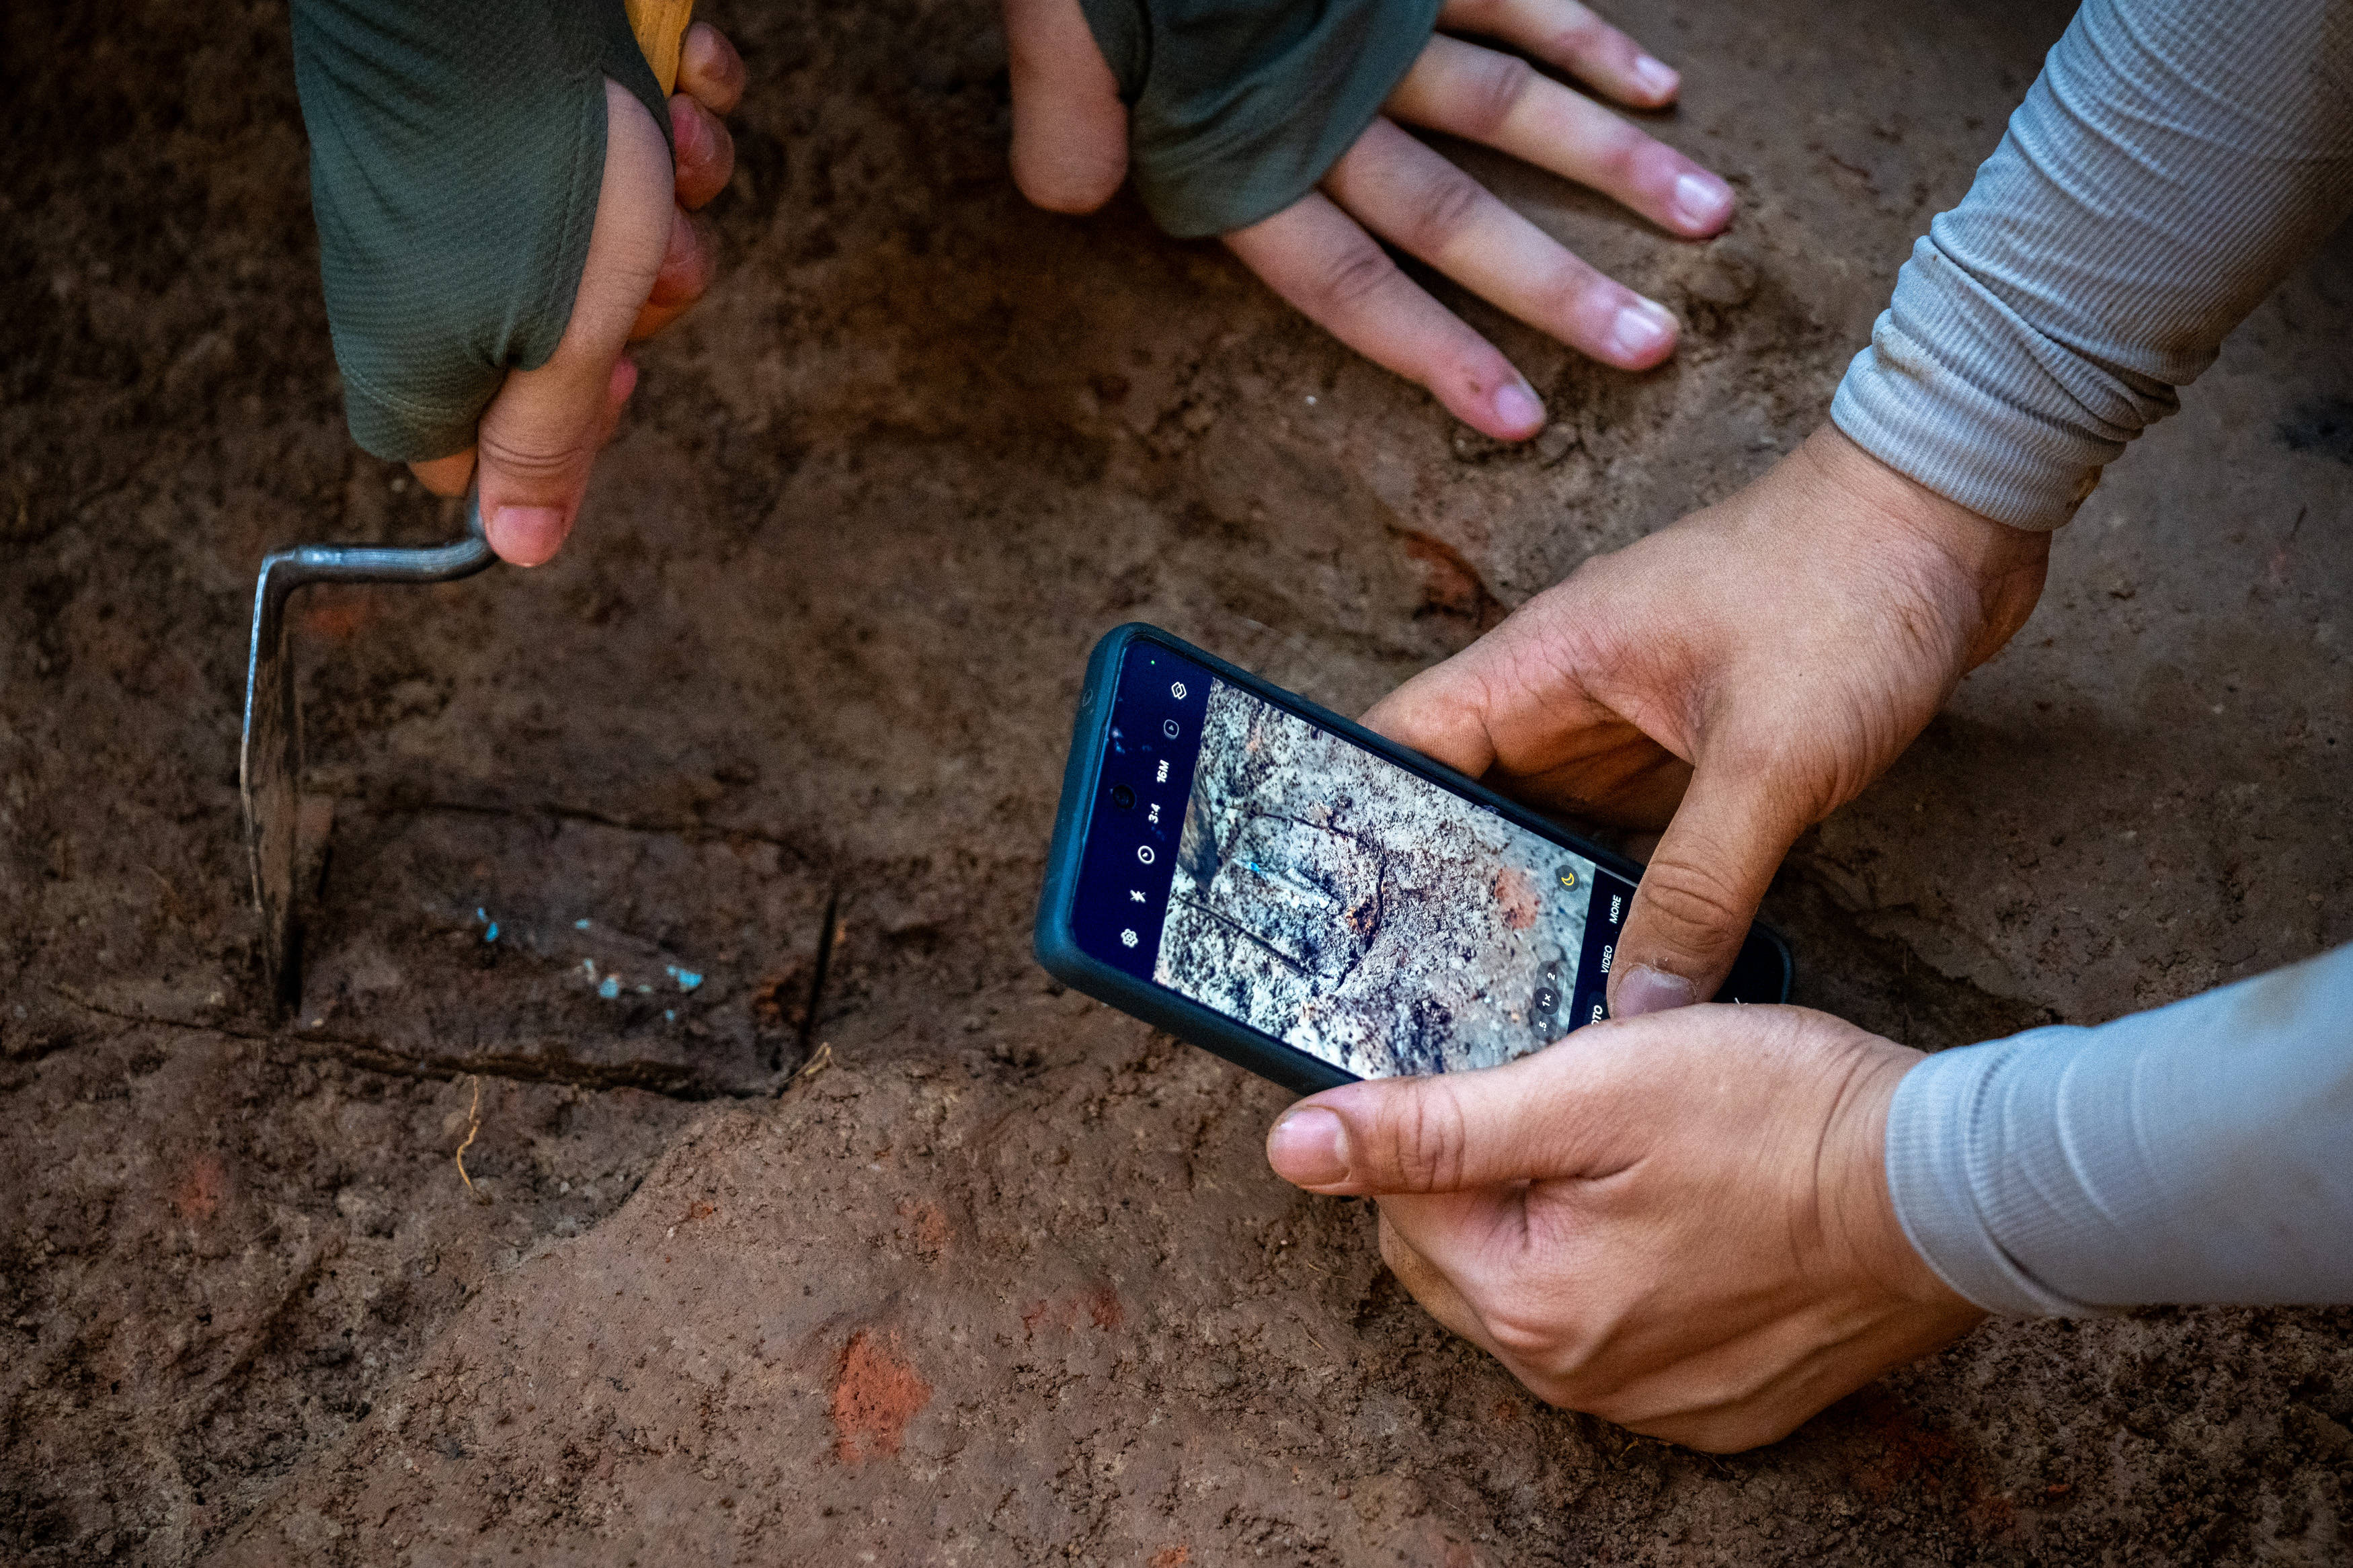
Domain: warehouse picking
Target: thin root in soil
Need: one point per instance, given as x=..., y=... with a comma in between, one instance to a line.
x=473, y=1126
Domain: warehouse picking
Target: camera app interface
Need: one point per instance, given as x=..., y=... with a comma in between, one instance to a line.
x=1243, y=857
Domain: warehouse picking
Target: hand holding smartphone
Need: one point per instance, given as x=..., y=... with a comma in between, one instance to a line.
x=1267, y=879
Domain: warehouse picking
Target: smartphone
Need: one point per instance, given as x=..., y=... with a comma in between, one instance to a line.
x=1238, y=866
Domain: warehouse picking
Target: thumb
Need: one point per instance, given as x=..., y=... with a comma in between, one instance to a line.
x=1069, y=129
x=1542, y=1115
x=1700, y=891
x=540, y=435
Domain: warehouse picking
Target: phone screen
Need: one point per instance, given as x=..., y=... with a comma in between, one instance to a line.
x=1242, y=856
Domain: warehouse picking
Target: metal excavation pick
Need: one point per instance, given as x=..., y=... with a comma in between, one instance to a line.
x=269, y=765
x=269, y=769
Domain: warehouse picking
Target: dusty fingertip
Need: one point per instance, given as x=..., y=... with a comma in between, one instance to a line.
x=1309, y=1147
x=1643, y=333
x=1518, y=409
x=1659, y=78
x=1701, y=202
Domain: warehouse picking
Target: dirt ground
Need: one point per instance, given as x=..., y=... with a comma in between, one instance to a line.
x=835, y=1232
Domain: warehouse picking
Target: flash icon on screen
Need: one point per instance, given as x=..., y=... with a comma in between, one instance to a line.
x=1135, y=895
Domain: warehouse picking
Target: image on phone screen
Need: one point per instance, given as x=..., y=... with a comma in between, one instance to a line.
x=1244, y=857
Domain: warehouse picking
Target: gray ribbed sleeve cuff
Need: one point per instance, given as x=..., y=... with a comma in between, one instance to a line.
x=2201, y=1152
x=1959, y=392
x=1944, y=1137
x=2175, y=159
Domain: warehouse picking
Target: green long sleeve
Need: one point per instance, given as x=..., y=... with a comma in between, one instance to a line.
x=457, y=150
x=1237, y=108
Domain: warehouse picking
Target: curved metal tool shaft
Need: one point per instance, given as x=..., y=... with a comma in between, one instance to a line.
x=269, y=765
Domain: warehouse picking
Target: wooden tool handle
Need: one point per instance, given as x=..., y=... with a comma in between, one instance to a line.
x=661, y=28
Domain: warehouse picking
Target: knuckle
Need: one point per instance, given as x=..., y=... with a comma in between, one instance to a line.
x=1721, y=1410
x=1691, y=907
x=1796, y=788
x=1573, y=292
x=710, y=60
x=1527, y=1337
x=1617, y=154
x=727, y=69
x=1441, y=210
x=1552, y=1334
x=533, y=462
x=706, y=153
x=1585, y=39
x=1426, y=1139
x=1351, y=280
x=1498, y=85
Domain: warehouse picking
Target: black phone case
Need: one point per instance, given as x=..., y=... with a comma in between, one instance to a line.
x=1057, y=944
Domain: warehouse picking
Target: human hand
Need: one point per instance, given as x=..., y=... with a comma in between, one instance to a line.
x=1736, y=675
x=649, y=259
x=1070, y=154
x=1679, y=1224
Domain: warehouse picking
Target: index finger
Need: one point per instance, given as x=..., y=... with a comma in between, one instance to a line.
x=1513, y=711
x=1442, y=714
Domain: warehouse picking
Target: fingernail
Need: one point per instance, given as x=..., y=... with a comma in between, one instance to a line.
x=526, y=535
x=1518, y=405
x=1309, y=1148
x=1701, y=201
x=1641, y=329
x=1656, y=76
x=1643, y=989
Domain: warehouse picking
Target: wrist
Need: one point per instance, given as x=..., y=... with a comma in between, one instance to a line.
x=1876, y=1247
x=1996, y=570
